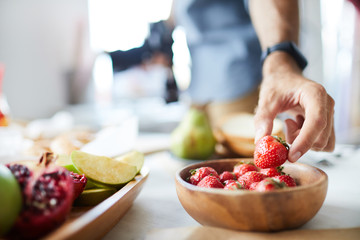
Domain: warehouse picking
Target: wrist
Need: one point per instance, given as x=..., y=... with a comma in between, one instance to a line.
x=280, y=62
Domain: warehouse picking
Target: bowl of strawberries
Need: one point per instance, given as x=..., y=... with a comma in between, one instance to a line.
x=264, y=193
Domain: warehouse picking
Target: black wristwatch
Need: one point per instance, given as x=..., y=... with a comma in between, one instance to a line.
x=290, y=48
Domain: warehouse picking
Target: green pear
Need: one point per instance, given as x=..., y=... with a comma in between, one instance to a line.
x=193, y=138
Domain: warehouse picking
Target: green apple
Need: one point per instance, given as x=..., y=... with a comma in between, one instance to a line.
x=134, y=158
x=104, y=170
x=91, y=197
x=65, y=161
x=10, y=199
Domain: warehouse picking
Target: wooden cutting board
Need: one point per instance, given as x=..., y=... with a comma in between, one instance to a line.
x=95, y=222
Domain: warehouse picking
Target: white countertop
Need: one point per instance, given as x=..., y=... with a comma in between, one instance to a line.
x=157, y=206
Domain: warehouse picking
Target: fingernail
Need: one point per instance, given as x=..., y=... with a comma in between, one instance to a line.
x=259, y=134
x=295, y=156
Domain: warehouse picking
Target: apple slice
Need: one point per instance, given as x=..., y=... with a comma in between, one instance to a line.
x=103, y=169
x=65, y=161
x=134, y=158
x=92, y=197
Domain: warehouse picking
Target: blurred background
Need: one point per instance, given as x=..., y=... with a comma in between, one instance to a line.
x=55, y=57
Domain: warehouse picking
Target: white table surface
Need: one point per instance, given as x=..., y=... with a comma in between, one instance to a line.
x=157, y=206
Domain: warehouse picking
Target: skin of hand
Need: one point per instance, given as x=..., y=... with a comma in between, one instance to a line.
x=285, y=89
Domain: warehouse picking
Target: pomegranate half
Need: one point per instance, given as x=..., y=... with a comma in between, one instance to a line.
x=47, y=191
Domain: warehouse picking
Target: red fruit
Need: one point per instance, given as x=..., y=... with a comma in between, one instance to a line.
x=21, y=173
x=287, y=179
x=268, y=184
x=229, y=181
x=3, y=120
x=272, y=172
x=198, y=174
x=251, y=177
x=233, y=185
x=226, y=175
x=270, y=152
x=210, y=182
x=79, y=183
x=48, y=197
x=253, y=185
x=241, y=168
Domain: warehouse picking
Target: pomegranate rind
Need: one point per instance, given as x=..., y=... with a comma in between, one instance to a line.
x=80, y=181
x=33, y=224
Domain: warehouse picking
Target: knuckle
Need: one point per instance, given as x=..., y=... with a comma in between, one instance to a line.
x=320, y=122
x=330, y=146
x=316, y=149
x=320, y=89
x=320, y=145
x=331, y=103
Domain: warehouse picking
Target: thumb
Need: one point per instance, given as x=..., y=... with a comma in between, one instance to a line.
x=263, y=121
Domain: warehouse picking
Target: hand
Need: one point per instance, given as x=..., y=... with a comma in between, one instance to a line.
x=284, y=89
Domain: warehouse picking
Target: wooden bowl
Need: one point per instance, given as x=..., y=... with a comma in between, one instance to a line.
x=250, y=210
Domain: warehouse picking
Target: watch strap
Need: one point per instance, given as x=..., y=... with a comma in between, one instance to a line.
x=291, y=49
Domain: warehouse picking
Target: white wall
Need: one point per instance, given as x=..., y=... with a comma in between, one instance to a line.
x=41, y=41
x=311, y=40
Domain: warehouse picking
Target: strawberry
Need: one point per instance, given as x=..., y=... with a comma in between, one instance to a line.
x=241, y=168
x=270, y=152
x=210, y=182
x=233, y=185
x=198, y=174
x=287, y=179
x=226, y=175
x=272, y=172
x=251, y=177
x=229, y=181
x=269, y=184
x=253, y=185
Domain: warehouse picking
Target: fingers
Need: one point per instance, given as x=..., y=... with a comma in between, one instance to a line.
x=317, y=132
x=307, y=136
x=331, y=142
x=264, y=117
x=309, y=101
x=323, y=142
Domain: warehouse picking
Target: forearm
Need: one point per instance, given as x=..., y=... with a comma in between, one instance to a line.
x=284, y=89
x=276, y=21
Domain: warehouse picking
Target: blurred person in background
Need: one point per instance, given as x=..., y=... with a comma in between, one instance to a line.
x=244, y=56
x=155, y=50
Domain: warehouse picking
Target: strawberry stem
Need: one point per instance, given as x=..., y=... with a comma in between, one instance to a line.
x=280, y=170
x=283, y=142
x=192, y=171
